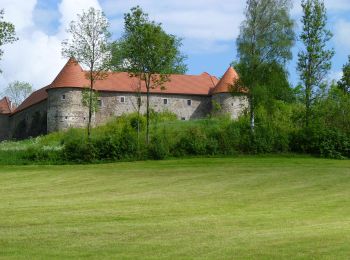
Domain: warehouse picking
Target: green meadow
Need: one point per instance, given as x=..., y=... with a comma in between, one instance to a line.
x=211, y=208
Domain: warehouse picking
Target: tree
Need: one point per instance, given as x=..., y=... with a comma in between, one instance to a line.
x=264, y=43
x=314, y=61
x=7, y=32
x=344, y=82
x=147, y=52
x=89, y=45
x=18, y=91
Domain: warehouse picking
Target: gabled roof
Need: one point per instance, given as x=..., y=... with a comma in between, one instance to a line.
x=226, y=82
x=5, y=106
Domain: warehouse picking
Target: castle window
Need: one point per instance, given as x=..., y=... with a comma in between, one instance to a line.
x=99, y=102
x=122, y=99
x=165, y=101
x=63, y=97
x=66, y=117
x=189, y=102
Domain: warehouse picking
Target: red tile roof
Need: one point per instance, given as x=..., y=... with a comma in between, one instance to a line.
x=5, y=106
x=34, y=98
x=72, y=75
x=226, y=82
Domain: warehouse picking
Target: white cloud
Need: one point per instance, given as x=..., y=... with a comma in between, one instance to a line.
x=205, y=24
x=36, y=57
x=342, y=35
x=335, y=75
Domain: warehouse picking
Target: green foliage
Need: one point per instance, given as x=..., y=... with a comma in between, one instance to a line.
x=314, y=61
x=344, y=82
x=329, y=143
x=89, y=45
x=18, y=91
x=147, y=52
x=85, y=100
x=146, y=48
x=7, y=32
x=158, y=148
x=264, y=46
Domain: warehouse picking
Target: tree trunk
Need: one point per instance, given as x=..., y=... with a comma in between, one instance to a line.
x=147, y=118
x=307, y=104
x=252, y=114
x=90, y=107
x=147, y=108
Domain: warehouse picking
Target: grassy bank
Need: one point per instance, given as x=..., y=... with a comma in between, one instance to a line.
x=195, y=208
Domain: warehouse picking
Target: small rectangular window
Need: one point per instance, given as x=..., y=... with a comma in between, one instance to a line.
x=99, y=102
x=165, y=101
x=189, y=102
x=63, y=97
x=122, y=99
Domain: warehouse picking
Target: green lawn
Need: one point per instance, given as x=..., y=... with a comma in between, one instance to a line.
x=180, y=209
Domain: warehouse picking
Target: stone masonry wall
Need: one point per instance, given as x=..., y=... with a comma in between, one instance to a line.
x=232, y=105
x=4, y=127
x=30, y=122
x=65, y=108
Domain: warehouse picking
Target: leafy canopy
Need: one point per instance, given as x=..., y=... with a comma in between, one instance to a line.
x=7, y=32
x=344, y=82
x=146, y=48
x=263, y=47
x=89, y=42
x=18, y=91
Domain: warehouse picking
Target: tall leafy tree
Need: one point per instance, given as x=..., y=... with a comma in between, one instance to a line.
x=263, y=46
x=344, y=82
x=89, y=45
x=7, y=32
x=147, y=52
x=314, y=61
x=18, y=91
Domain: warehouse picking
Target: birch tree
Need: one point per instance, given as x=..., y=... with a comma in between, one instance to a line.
x=89, y=45
x=265, y=41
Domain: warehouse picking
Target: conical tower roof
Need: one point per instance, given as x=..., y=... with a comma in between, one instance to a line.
x=225, y=83
x=72, y=75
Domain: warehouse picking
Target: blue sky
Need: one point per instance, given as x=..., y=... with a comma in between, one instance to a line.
x=208, y=28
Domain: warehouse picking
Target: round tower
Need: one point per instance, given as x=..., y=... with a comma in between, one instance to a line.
x=224, y=102
x=65, y=109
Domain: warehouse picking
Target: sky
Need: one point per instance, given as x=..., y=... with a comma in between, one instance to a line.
x=209, y=29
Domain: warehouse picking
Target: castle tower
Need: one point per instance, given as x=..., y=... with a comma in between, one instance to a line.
x=223, y=101
x=65, y=109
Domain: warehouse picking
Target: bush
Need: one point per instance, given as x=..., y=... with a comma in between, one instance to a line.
x=193, y=142
x=158, y=148
x=328, y=143
x=77, y=148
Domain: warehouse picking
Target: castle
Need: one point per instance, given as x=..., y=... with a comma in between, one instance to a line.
x=58, y=106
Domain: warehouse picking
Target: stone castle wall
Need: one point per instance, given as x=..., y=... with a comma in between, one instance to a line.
x=225, y=103
x=4, y=127
x=65, y=108
x=30, y=122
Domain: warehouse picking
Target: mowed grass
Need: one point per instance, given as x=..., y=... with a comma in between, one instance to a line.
x=217, y=208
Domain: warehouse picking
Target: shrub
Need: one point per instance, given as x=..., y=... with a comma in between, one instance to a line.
x=193, y=142
x=158, y=148
x=328, y=143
